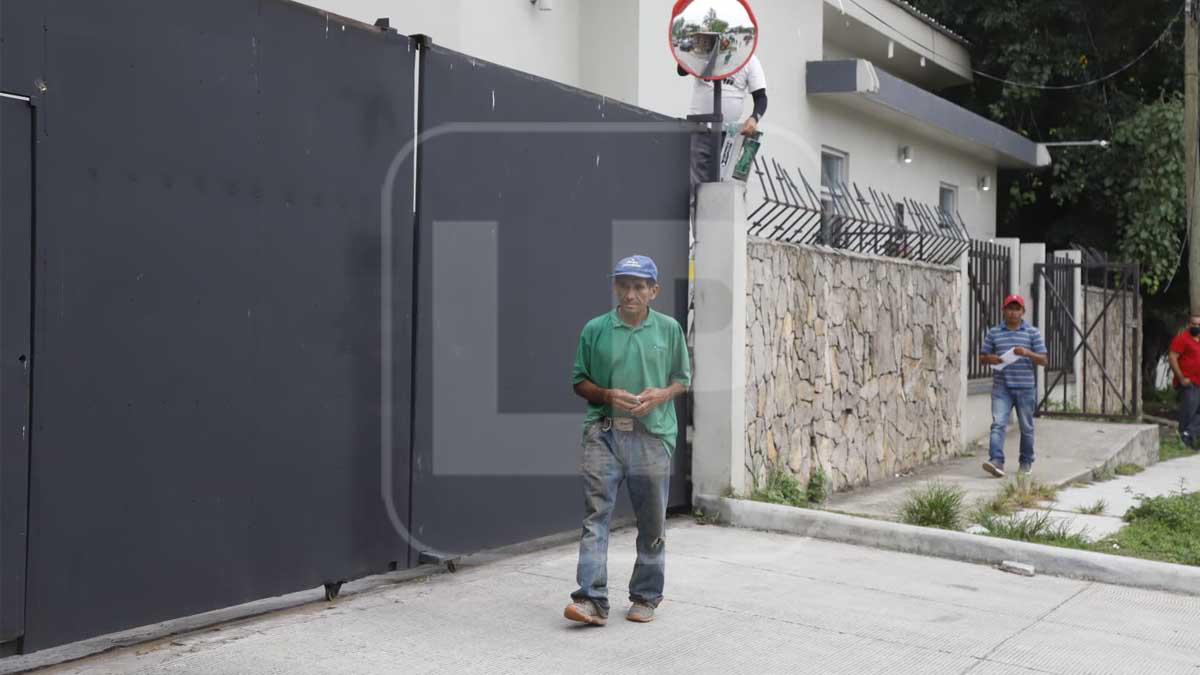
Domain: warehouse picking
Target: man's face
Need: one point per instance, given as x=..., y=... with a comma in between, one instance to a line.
x=1013, y=313
x=1194, y=323
x=634, y=293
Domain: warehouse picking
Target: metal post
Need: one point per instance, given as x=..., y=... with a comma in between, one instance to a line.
x=1083, y=336
x=1191, y=140
x=718, y=128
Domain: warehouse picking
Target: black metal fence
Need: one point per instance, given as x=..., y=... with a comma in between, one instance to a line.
x=1059, y=278
x=846, y=217
x=988, y=272
x=1105, y=332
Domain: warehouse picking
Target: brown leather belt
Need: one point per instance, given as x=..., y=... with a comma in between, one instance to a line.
x=618, y=423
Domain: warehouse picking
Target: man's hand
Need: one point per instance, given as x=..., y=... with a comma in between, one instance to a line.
x=750, y=127
x=651, y=398
x=1185, y=383
x=990, y=359
x=619, y=399
x=1038, y=359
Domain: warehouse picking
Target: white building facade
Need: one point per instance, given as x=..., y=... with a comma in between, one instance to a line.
x=852, y=83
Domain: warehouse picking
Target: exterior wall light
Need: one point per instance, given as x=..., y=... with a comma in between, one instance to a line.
x=985, y=183
x=906, y=154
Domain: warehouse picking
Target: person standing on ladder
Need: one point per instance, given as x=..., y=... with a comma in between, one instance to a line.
x=1185, y=362
x=1013, y=349
x=627, y=437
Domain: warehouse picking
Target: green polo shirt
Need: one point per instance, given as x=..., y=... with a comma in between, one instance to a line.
x=614, y=356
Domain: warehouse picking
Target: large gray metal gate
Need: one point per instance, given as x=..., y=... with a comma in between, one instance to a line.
x=1098, y=341
x=527, y=192
x=215, y=284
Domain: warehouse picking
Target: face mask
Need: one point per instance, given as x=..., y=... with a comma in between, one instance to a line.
x=1194, y=330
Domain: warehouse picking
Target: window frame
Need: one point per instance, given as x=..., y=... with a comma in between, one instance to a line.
x=844, y=158
x=952, y=189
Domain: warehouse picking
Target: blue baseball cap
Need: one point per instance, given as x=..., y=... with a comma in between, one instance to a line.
x=636, y=266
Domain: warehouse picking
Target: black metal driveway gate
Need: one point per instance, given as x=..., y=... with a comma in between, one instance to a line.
x=528, y=191
x=214, y=285
x=1105, y=331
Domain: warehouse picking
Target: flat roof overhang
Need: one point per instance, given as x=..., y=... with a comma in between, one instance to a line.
x=858, y=84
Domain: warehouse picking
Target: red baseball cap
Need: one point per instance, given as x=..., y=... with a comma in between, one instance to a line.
x=1014, y=298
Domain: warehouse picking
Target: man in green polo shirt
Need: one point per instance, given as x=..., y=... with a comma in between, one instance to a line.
x=630, y=365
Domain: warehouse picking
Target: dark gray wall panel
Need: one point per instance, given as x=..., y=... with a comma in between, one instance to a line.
x=207, y=332
x=520, y=220
x=16, y=219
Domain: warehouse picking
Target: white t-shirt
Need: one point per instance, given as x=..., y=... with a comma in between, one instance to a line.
x=734, y=92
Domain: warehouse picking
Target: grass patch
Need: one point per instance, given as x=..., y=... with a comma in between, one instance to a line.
x=781, y=488
x=818, y=485
x=1102, y=474
x=1128, y=470
x=1038, y=528
x=1022, y=492
x=1160, y=402
x=1096, y=509
x=1165, y=528
x=1171, y=447
x=934, y=505
x=1025, y=492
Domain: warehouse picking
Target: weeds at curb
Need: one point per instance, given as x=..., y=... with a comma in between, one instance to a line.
x=1023, y=492
x=781, y=488
x=1128, y=470
x=1171, y=447
x=818, y=485
x=1096, y=509
x=934, y=505
x=1037, y=528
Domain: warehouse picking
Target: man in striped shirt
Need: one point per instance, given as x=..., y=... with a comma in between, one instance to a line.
x=1014, y=382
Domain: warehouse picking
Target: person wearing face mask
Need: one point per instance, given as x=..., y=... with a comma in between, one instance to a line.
x=1185, y=362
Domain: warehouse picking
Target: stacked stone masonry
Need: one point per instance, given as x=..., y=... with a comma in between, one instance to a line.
x=852, y=363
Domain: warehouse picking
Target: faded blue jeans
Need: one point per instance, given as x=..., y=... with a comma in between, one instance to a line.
x=641, y=461
x=1003, y=402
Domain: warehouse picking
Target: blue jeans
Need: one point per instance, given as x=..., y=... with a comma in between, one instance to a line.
x=1003, y=401
x=641, y=461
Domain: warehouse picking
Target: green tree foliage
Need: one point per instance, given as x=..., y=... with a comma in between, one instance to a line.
x=1127, y=201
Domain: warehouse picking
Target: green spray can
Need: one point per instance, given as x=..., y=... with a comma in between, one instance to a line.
x=750, y=146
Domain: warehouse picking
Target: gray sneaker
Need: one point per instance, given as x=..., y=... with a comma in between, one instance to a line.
x=1025, y=469
x=996, y=470
x=585, y=611
x=641, y=613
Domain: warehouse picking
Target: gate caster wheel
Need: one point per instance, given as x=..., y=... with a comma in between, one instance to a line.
x=332, y=590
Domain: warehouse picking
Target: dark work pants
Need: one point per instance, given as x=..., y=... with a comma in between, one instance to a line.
x=1189, y=411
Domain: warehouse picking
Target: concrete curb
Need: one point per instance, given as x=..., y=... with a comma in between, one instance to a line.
x=1062, y=562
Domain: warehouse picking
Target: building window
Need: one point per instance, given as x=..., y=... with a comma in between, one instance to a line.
x=948, y=203
x=835, y=171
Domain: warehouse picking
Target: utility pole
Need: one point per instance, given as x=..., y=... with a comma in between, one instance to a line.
x=1191, y=140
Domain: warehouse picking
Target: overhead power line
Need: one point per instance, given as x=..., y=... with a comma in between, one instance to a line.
x=1046, y=87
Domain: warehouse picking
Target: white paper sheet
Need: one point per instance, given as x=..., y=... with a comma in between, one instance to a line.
x=1007, y=357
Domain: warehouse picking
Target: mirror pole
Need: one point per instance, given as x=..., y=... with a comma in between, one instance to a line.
x=718, y=128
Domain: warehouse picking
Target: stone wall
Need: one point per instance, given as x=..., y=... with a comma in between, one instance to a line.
x=852, y=363
x=1111, y=363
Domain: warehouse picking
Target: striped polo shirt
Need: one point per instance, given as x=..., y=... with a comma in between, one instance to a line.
x=1022, y=374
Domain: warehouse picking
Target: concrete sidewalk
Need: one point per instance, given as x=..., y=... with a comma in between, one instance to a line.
x=1067, y=452
x=1121, y=494
x=737, y=601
